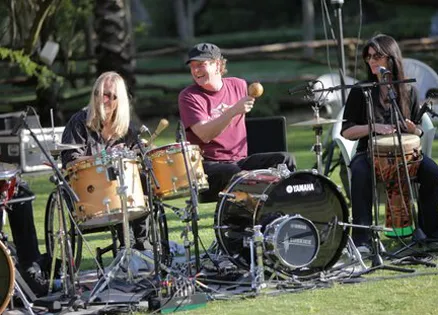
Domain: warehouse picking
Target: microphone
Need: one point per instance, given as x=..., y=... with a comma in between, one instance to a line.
x=20, y=122
x=143, y=132
x=163, y=124
x=383, y=71
x=420, y=114
x=432, y=93
x=425, y=109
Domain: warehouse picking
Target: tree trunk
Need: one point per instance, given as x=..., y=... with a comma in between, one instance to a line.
x=185, y=13
x=114, y=49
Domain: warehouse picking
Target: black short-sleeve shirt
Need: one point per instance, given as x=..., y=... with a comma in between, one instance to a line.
x=355, y=112
x=77, y=132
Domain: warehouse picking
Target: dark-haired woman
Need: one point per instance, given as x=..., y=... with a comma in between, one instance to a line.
x=383, y=51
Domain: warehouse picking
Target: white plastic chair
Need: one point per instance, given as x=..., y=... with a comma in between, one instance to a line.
x=427, y=79
x=347, y=147
x=428, y=136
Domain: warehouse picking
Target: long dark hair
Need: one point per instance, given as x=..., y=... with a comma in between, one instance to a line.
x=387, y=46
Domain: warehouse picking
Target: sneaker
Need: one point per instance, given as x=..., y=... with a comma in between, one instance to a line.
x=35, y=280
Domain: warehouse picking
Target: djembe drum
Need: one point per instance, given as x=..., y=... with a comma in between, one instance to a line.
x=389, y=170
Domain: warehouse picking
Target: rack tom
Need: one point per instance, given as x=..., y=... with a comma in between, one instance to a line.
x=169, y=167
x=96, y=184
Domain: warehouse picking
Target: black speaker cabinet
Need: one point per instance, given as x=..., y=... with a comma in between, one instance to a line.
x=266, y=134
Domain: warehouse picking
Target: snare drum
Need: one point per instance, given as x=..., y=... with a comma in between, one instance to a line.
x=7, y=277
x=8, y=181
x=169, y=168
x=94, y=182
x=388, y=165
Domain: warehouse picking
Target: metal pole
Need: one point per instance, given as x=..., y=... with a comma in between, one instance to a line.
x=341, y=53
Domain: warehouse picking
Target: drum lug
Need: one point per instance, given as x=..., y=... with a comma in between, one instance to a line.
x=169, y=161
x=262, y=197
x=106, y=202
x=227, y=195
x=193, y=158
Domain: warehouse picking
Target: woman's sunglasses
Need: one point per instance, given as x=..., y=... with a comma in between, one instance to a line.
x=110, y=95
x=375, y=57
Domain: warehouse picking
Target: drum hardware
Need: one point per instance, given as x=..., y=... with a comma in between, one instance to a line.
x=256, y=268
x=317, y=123
x=123, y=265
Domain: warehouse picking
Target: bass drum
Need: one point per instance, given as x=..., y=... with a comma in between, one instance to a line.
x=264, y=197
x=7, y=277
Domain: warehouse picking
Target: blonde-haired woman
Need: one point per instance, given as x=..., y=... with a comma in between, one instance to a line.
x=103, y=125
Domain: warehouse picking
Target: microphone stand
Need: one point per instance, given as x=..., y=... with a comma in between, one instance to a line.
x=341, y=54
x=418, y=236
x=66, y=249
x=377, y=261
x=192, y=204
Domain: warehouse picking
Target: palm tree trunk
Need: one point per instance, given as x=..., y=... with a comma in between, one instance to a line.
x=115, y=45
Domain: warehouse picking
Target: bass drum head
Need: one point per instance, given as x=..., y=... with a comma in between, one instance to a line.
x=6, y=277
x=261, y=196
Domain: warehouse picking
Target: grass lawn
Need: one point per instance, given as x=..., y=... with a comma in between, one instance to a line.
x=403, y=295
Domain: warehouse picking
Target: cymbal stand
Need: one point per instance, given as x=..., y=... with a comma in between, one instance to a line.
x=66, y=252
x=317, y=147
x=192, y=205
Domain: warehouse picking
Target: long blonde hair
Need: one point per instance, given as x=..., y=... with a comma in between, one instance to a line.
x=96, y=112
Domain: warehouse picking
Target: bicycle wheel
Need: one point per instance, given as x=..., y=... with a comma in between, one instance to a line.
x=52, y=224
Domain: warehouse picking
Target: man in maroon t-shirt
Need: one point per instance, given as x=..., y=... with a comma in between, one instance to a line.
x=213, y=114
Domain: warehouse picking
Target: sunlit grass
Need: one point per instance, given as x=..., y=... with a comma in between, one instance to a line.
x=399, y=296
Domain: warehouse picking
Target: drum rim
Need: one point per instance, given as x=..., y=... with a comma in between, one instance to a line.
x=336, y=189
x=75, y=166
x=275, y=245
x=389, y=150
x=8, y=174
x=157, y=152
x=10, y=291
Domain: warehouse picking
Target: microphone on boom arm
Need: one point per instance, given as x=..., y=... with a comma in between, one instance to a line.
x=20, y=122
x=146, y=137
x=383, y=71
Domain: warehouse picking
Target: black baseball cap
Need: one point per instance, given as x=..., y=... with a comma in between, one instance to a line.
x=204, y=51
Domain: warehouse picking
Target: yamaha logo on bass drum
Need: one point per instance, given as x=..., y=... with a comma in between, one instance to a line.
x=300, y=188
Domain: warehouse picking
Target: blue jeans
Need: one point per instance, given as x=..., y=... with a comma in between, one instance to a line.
x=362, y=197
